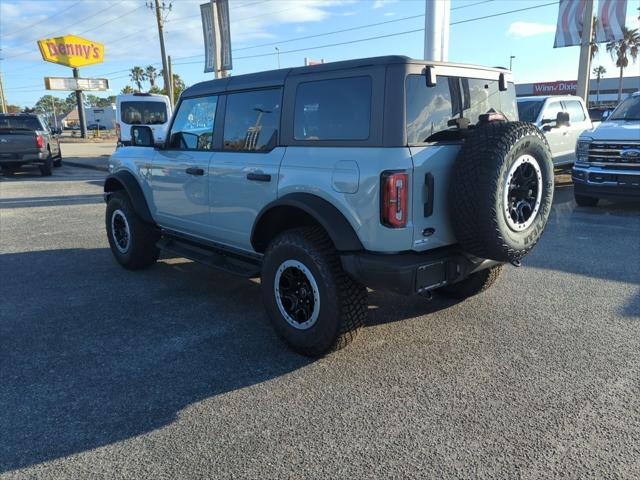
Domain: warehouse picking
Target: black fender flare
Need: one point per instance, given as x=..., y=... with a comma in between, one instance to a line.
x=326, y=214
x=124, y=180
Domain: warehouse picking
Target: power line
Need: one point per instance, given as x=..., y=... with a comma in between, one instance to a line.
x=64, y=28
x=39, y=22
x=112, y=20
x=360, y=27
x=406, y=32
x=350, y=41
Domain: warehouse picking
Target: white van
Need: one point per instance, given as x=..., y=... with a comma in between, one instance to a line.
x=147, y=109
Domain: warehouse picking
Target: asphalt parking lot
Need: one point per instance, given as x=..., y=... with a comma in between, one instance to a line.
x=175, y=372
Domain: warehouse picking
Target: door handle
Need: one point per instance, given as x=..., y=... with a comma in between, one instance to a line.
x=195, y=171
x=259, y=177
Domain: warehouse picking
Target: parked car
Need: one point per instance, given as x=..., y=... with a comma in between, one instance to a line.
x=146, y=109
x=96, y=126
x=608, y=158
x=388, y=173
x=561, y=118
x=26, y=138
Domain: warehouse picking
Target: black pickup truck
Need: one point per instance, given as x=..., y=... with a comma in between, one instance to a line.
x=25, y=138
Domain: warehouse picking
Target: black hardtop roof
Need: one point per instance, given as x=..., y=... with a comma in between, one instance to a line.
x=273, y=78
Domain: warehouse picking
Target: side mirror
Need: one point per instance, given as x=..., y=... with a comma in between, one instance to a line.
x=562, y=119
x=606, y=114
x=141, y=136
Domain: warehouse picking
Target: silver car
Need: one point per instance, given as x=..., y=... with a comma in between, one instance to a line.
x=388, y=173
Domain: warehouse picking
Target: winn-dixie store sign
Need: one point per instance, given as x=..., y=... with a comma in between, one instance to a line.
x=554, y=88
x=71, y=51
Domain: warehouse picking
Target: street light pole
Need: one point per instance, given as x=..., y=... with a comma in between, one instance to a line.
x=511, y=62
x=278, y=54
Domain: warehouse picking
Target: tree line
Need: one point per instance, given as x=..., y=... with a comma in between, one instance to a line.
x=140, y=76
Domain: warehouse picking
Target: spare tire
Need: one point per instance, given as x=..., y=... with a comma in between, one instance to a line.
x=501, y=190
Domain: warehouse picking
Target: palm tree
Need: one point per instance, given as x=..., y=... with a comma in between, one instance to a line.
x=150, y=73
x=127, y=89
x=593, y=45
x=598, y=71
x=620, y=51
x=137, y=77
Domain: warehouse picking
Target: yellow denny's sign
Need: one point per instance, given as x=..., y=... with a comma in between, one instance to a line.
x=71, y=51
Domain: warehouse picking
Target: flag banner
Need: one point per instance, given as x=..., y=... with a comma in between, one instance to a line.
x=611, y=15
x=569, y=28
x=209, y=37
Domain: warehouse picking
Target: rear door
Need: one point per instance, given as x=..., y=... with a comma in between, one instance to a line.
x=429, y=111
x=243, y=177
x=179, y=174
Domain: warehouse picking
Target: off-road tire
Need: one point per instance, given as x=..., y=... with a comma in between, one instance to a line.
x=472, y=285
x=343, y=301
x=142, y=251
x=584, y=201
x=477, y=188
x=46, y=169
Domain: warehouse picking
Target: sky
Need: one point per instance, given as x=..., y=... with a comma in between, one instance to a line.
x=128, y=30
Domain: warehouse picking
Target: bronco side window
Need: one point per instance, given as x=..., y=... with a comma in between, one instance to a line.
x=337, y=109
x=193, y=127
x=251, y=121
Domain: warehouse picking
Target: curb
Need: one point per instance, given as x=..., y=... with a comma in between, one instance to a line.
x=101, y=168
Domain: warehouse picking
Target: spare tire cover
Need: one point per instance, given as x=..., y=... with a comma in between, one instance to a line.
x=501, y=190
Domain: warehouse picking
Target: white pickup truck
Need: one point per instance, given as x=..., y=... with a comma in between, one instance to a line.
x=561, y=118
x=608, y=158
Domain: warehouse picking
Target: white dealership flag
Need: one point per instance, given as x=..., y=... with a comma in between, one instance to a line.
x=611, y=15
x=569, y=28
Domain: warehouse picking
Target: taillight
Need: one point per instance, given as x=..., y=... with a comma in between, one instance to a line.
x=39, y=141
x=395, y=188
x=118, y=130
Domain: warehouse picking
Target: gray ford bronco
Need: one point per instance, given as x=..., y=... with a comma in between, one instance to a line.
x=383, y=173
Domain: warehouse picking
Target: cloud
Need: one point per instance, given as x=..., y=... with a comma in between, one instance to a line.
x=529, y=29
x=382, y=3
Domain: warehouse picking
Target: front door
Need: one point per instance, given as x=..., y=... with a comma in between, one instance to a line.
x=244, y=176
x=180, y=172
x=557, y=137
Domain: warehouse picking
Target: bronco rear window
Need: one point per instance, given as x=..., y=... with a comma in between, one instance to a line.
x=143, y=113
x=429, y=109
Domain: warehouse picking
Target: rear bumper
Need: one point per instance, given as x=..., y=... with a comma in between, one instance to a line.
x=412, y=273
x=21, y=158
x=606, y=183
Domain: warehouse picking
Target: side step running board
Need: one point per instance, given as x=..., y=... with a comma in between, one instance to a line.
x=210, y=257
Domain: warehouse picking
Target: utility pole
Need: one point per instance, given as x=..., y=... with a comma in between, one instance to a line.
x=159, y=9
x=278, y=53
x=511, y=62
x=582, y=87
x=436, y=30
x=3, y=100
